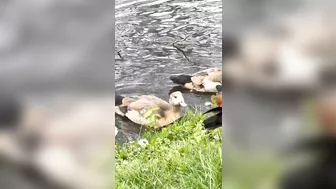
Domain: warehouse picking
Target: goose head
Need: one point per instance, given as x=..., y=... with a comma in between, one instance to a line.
x=176, y=99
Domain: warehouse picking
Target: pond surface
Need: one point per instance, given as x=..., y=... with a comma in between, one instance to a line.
x=145, y=33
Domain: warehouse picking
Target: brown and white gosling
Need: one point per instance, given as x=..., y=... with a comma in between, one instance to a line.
x=137, y=108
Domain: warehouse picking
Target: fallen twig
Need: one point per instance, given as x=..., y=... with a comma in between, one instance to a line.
x=185, y=38
x=119, y=54
x=179, y=49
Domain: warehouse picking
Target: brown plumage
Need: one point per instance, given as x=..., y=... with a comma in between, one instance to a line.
x=218, y=99
x=203, y=81
x=136, y=108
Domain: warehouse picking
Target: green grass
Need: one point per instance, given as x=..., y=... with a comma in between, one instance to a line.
x=186, y=156
x=183, y=155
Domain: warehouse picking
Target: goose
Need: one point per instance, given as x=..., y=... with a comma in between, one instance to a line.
x=215, y=121
x=203, y=81
x=137, y=108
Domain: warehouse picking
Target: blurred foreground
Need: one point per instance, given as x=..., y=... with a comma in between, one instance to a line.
x=67, y=143
x=286, y=65
x=56, y=60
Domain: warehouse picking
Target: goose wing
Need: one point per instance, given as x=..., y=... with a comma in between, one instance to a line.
x=215, y=76
x=155, y=100
x=214, y=121
x=146, y=103
x=137, y=110
x=208, y=71
x=212, y=76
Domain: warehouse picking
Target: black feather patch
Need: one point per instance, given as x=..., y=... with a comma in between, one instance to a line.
x=214, y=121
x=217, y=109
x=123, y=109
x=118, y=100
x=181, y=79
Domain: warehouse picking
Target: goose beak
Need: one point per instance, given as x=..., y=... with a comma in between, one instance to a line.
x=183, y=104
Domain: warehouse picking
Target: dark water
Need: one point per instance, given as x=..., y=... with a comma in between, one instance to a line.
x=145, y=33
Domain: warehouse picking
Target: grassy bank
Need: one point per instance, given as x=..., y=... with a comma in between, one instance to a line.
x=183, y=155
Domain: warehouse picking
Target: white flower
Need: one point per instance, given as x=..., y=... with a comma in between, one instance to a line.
x=207, y=103
x=143, y=142
x=216, y=137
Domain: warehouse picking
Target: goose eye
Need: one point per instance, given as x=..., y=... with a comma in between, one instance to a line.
x=175, y=96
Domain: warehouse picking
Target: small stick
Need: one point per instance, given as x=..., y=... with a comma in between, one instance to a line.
x=119, y=54
x=185, y=37
x=179, y=49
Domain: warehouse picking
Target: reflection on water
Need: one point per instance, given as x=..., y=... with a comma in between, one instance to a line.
x=145, y=33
